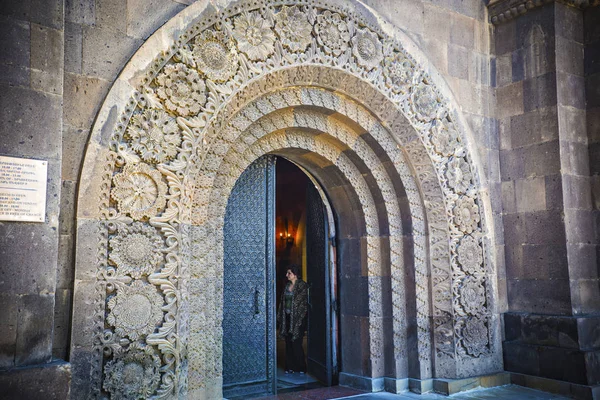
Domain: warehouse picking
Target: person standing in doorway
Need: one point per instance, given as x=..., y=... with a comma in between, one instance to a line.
x=292, y=319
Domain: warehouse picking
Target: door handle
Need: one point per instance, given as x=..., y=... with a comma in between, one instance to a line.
x=256, y=310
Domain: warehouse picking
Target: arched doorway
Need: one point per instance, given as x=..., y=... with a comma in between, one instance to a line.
x=372, y=126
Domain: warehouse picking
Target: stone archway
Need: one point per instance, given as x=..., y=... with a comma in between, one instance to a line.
x=161, y=164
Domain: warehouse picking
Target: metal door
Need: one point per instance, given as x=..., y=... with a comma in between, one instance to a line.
x=248, y=297
x=319, y=351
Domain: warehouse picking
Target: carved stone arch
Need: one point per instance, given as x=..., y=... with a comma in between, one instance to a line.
x=153, y=146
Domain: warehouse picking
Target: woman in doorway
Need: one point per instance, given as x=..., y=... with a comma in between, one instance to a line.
x=292, y=317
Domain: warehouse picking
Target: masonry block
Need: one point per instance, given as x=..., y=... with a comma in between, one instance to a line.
x=49, y=382
x=35, y=329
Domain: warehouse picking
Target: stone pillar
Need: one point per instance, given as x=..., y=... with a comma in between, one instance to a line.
x=550, y=242
x=31, y=83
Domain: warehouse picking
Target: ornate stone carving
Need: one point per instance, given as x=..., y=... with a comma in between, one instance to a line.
x=475, y=336
x=367, y=48
x=332, y=33
x=425, y=102
x=293, y=28
x=136, y=249
x=466, y=214
x=139, y=191
x=135, y=311
x=470, y=254
x=133, y=375
x=459, y=175
x=215, y=55
x=398, y=71
x=154, y=135
x=472, y=295
x=445, y=138
x=181, y=89
x=254, y=35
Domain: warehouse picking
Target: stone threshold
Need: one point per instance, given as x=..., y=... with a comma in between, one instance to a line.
x=568, y=389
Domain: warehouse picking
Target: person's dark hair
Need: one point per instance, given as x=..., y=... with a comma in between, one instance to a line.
x=296, y=270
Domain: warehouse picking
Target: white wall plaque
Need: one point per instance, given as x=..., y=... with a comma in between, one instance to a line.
x=22, y=189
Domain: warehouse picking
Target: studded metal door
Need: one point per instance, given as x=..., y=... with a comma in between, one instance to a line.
x=318, y=277
x=249, y=266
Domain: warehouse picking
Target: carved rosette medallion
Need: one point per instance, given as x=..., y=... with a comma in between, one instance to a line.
x=215, y=55
x=367, y=48
x=458, y=174
x=472, y=295
x=293, y=28
x=181, y=89
x=332, y=33
x=136, y=249
x=135, y=311
x=470, y=255
x=254, y=35
x=475, y=336
x=466, y=214
x=445, y=138
x=154, y=135
x=133, y=375
x=398, y=71
x=425, y=102
x=139, y=191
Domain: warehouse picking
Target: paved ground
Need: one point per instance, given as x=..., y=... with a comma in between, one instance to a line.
x=508, y=392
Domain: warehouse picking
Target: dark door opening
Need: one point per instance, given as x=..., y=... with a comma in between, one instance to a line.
x=304, y=238
x=276, y=216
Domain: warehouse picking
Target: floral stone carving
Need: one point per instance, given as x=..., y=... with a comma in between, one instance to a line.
x=332, y=33
x=459, y=175
x=470, y=254
x=215, y=55
x=367, y=48
x=472, y=295
x=181, y=89
x=475, y=336
x=154, y=135
x=398, y=71
x=445, y=138
x=135, y=311
x=293, y=28
x=425, y=102
x=254, y=36
x=136, y=249
x=133, y=375
x=139, y=191
x=466, y=214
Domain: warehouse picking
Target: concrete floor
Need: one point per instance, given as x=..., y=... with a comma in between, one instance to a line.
x=508, y=392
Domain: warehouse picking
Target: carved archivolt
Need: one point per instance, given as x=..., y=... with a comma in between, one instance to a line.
x=223, y=95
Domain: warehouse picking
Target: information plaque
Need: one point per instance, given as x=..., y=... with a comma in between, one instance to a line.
x=22, y=189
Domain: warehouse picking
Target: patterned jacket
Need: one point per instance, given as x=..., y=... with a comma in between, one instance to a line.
x=299, y=311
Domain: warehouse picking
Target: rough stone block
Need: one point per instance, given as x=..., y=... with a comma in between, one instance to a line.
x=530, y=194
x=540, y=91
x=586, y=296
x=462, y=30
x=66, y=266
x=14, y=42
x=593, y=91
x=562, y=364
x=156, y=13
x=521, y=358
x=512, y=326
x=577, y=192
x=48, y=381
x=589, y=333
x=62, y=319
x=80, y=12
x=355, y=360
x=113, y=14
x=24, y=271
x=84, y=315
x=554, y=195
x=352, y=303
x=458, y=61
x=545, y=262
x=92, y=243
x=35, y=329
x=542, y=159
x=510, y=100
x=544, y=228
x=67, y=207
x=73, y=47
x=438, y=53
x=579, y=225
x=47, y=55
x=504, y=70
x=571, y=90
x=569, y=23
x=82, y=98
x=512, y=164
x=14, y=75
x=575, y=158
x=98, y=60
x=409, y=14
x=517, y=65
x=437, y=23
x=569, y=56
x=542, y=17
x=534, y=127
x=8, y=328
x=73, y=150
x=539, y=296
x=505, y=37
x=572, y=124
x=30, y=123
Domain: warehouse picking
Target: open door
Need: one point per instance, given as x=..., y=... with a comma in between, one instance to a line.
x=319, y=351
x=249, y=284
